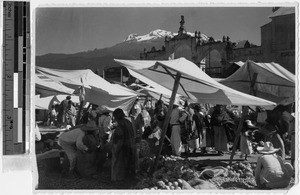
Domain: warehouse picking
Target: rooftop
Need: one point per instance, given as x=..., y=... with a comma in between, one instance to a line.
x=283, y=11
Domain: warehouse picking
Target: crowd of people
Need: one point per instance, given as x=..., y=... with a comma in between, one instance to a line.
x=192, y=128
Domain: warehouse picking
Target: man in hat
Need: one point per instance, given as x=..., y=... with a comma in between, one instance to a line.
x=63, y=108
x=72, y=140
x=271, y=171
x=199, y=120
x=178, y=116
x=105, y=124
x=71, y=113
x=87, y=163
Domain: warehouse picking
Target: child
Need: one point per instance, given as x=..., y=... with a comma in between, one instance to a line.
x=245, y=143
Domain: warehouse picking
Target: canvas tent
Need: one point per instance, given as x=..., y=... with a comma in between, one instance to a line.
x=97, y=90
x=157, y=93
x=272, y=81
x=239, y=63
x=153, y=89
x=194, y=83
x=45, y=86
x=183, y=76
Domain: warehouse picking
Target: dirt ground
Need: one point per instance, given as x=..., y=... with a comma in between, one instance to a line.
x=50, y=177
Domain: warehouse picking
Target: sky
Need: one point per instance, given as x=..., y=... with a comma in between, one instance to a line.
x=71, y=30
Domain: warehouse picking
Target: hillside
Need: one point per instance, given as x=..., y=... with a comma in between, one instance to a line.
x=99, y=59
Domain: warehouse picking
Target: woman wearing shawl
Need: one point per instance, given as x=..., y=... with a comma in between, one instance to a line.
x=123, y=149
x=219, y=118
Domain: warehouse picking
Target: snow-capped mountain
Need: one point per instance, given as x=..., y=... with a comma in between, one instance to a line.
x=129, y=49
x=150, y=36
x=156, y=34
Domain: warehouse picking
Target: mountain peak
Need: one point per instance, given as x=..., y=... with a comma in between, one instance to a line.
x=156, y=34
x=131, y=37
x=150, y=36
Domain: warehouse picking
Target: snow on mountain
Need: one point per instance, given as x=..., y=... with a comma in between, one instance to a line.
x=157, y=34
x=150, y=36
x=131, y=37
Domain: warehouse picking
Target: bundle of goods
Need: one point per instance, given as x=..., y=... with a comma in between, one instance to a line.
x=170, y=169
x=241, y=170
x=176, y=173
x=240, y=176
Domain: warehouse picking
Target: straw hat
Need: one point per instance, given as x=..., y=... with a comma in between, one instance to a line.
x=178, y=102
x=268, y=149
x=90, y=126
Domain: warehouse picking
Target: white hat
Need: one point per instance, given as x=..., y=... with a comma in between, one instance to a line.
x=268, y=149
x=249, y=124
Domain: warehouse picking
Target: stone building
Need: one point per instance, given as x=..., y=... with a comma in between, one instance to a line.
x=216, y=57
x=278, y=38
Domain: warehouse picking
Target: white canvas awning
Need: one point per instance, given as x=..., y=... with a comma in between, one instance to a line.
x=47, y=87
x=97, y=90
x=158, y=93
x=273, y=82
x=194, y=83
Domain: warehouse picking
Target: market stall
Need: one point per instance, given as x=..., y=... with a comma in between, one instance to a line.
x=94, y=86
x=184, y=77
x=269, y=81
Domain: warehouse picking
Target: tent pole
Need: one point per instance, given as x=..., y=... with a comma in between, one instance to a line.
x=121, y=75
x=160, y=96
x=240, y=126
x=166, y=122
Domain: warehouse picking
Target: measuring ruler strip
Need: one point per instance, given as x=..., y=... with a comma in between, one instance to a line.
x=16, y=39
x=26, y=74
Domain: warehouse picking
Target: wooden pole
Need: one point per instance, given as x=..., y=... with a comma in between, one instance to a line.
x=240, y=126
x=160, y=96
x=166, y=122
x=146, y=100
x=122, y=75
